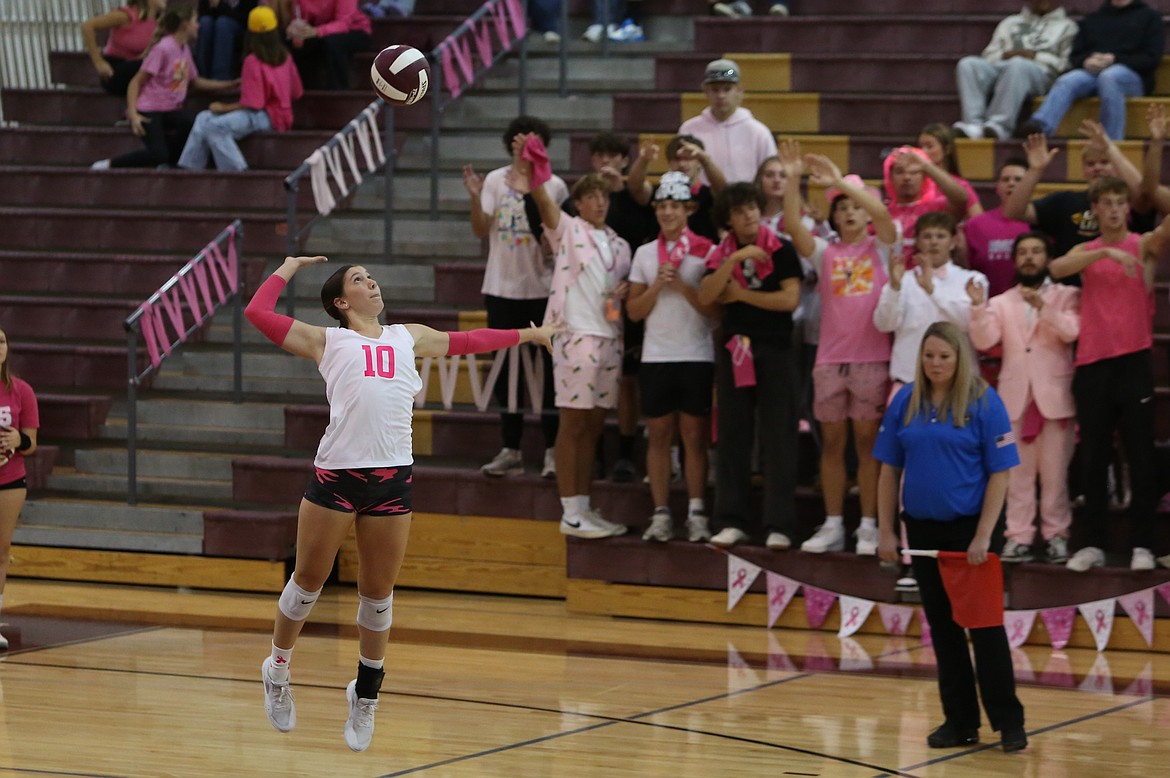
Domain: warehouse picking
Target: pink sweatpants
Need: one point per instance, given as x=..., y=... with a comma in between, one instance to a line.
x=1047, y=456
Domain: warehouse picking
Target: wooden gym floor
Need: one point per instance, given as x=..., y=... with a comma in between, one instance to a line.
x=132, y=681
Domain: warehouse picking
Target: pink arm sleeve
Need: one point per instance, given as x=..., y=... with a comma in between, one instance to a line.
x=476, y=341
x=261, y=311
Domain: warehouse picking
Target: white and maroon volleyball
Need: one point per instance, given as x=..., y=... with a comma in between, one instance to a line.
x=400, y=75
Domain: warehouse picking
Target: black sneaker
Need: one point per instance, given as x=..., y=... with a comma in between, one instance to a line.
x=1013, y=739
x=1029, y=127
x=950, y=736
x=623, y=471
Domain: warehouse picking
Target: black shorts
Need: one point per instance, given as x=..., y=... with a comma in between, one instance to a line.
x=632, y=334
x=369, y=491
x=676, y=387
x=19, y=483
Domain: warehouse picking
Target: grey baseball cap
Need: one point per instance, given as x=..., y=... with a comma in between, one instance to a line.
x=721, y=70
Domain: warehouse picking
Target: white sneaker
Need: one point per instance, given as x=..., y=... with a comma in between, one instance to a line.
x=507, y=462
x=729, y=536
x=1057, y=550
x=698, y=530
x=867, y=541
x=661, y=528
x=551, y=36
x=1164, y=561
x=778, y=9
x=592, y=33
x=778, y=541
x=359, y=727
x=742, y=8
x=279, y=705
x=1014, y=551
x=590, y=526
x=3, y=643
x=101, y=164
x=549, y=469
x=724, y=9
x=1142, y=559
x=907, y=583
x=1089, y=556
x=968, y=130
x=827, y=538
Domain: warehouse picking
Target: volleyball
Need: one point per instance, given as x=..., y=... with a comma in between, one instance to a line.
x=400, y=74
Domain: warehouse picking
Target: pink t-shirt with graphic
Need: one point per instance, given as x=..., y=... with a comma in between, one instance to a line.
x=989, y=248
x=18, y=408
x=171, y=69
x=1117, y=311
x=851, y=279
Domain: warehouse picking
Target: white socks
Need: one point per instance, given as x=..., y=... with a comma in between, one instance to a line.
x=834, y=521
x=868, y=522
x=577, y=505
x=374, y=663
x=695, y=505
x=278, y=668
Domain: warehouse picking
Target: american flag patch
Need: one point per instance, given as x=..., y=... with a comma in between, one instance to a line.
x=1005, y=439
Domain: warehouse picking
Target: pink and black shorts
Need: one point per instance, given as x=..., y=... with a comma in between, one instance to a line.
x=368, y=491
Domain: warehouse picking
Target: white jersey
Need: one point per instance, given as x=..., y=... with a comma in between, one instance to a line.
x=370, y=384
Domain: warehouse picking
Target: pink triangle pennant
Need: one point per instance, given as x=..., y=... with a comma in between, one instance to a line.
x=1164, y=590
x=1139, y=606
x=1018, y=625
x=895, y=618
x=1099, y=616
x=817, y=603
x=927, y=640
x=741, y=574
x=854, y=612
x=781, y=590
x=1059, y=623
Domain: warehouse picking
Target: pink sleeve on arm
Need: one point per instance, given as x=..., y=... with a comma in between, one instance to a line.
x=477, y=341
x=261, y=311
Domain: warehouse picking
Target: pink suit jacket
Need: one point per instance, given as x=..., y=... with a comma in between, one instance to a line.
x=1038, y=355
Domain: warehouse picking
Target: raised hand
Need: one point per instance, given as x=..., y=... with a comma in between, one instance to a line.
x=650, y=151
x=822, y=171
x=925, y=274
x=472, y=181
x=612, y=176
x=1037, y=151
x=1157, y=122
x=543, y=334
x=296, y=263
x=1095, y=132
x=789, y=153
x=975, y=292
x=910, y=162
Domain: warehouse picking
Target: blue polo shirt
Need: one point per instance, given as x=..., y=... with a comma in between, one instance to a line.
x=946, y=468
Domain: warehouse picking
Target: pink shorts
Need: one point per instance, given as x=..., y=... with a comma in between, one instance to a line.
x=850, y=391
x=586, y=370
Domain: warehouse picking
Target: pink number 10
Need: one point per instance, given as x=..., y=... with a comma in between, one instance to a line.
x=384, y=364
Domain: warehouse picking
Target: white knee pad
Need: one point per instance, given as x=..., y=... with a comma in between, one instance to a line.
x=375, y=615
x=296, y=603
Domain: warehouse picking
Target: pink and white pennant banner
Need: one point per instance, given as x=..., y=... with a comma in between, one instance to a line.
x=1018, y=625
x=1139, y=606
x=817, y=603
x=1059, y=623
x=895, y=618
x=927, y=640
x=781, y=590
x=1099, y=616
x=1164, y=590
x=854, y=612
x=741, y=574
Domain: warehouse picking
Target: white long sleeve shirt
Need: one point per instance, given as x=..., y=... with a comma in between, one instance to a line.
x=909, y=312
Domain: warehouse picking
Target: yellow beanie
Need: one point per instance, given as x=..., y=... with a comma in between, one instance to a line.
x=261, y=19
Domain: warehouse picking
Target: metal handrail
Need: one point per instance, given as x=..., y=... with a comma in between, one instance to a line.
x=440, y=103
x=193, y=284
x=292, y=182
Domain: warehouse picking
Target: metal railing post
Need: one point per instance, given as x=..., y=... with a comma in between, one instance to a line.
x=437, y=106
x=388, y=210
x=238, y=319
x=132, y=417
x=563, y=78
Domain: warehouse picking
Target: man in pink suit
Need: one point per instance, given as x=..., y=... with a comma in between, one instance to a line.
x=1037, y=321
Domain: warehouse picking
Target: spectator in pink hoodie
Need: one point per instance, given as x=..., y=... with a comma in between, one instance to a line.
x=324, y=35
x=737, y=142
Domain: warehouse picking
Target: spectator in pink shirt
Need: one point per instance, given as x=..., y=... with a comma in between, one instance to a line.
x=154, y=101
x=269, y=85
x=989, y=235
x=938, y=141
x=324, y=35
x=916, y=186
x=131, y=31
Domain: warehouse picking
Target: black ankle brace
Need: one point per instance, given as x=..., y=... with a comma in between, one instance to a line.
x=369, y=681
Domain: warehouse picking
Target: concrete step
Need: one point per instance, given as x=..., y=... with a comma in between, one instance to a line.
x=625, y=68
x=116, y=487
x=113, y=540
x=115, y=429
x=357, y=235
x=92, y=514
x=576, y=112
x=155, y=463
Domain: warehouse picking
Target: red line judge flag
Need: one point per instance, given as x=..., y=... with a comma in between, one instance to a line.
x=975, y=591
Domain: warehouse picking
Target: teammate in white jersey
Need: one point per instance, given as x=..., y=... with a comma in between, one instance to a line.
x=362, y=468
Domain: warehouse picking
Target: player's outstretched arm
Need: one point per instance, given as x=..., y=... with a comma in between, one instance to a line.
x=295, y=337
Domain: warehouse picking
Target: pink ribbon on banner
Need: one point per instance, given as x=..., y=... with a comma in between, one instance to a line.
x=740, y=579
x=895, y=618
x=853, y=614
x=1100, y=616
x=1140, y=607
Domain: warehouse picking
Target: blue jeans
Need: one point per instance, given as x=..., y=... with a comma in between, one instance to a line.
x=215, y=49
x=617, y=10
x=1112, y=85
x=544, y=15
x=214, y=136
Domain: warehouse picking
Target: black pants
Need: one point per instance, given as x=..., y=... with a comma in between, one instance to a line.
x=166, y=134
x=124, y=72
x=504, y=313
x=324, y=62
x=993, y=655
x=1111, y=394
x=774, y=397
